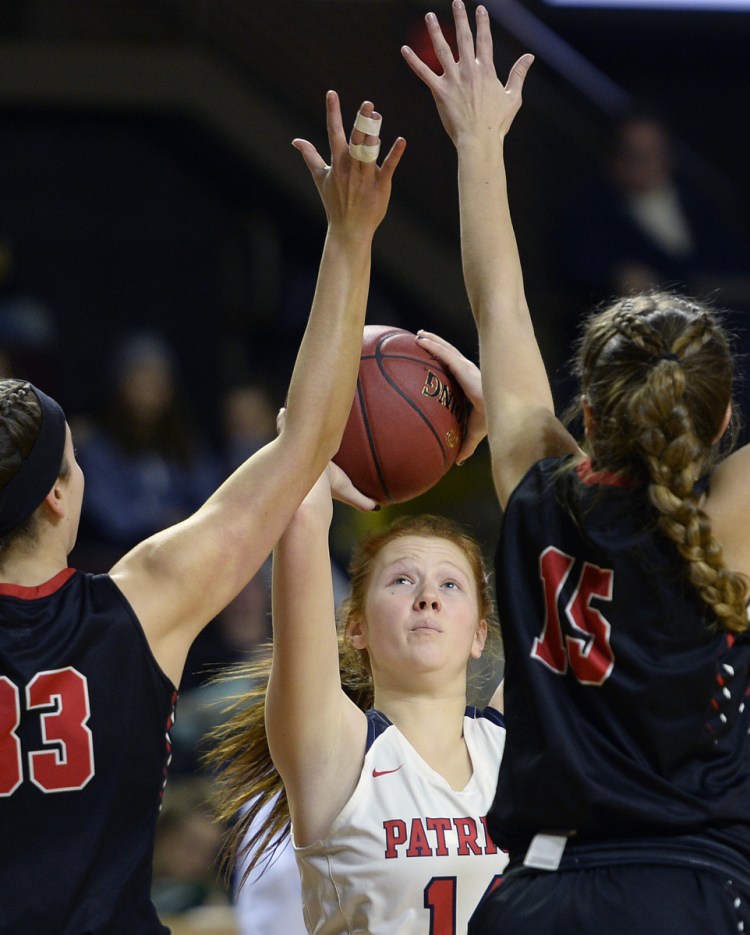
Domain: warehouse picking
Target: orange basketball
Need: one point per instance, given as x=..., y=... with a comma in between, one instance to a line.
x=407, y=420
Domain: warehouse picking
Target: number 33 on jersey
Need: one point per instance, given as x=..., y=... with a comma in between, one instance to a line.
x=64, y=761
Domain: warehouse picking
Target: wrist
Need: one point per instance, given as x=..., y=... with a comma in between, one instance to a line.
x=488, y=142
x=348, y=234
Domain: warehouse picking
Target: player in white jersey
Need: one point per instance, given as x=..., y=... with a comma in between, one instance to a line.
x=387, y=773
x=268, y=902
x=386, y=865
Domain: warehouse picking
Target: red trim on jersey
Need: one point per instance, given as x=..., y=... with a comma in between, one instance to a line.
x=38, y=590
x=587, y=475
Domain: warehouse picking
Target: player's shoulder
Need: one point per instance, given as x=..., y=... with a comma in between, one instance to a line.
x=377, y=725
x=728, y=507
x=486, y=714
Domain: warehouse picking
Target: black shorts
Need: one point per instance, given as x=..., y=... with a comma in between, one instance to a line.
x=616, y=900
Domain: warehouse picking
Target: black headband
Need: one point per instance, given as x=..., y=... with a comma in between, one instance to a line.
x=38, y=471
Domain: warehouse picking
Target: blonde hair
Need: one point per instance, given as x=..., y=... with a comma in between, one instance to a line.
x=246, y=778
x=656, y=369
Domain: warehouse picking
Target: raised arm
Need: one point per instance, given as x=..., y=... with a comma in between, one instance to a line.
x=477, y=111
x=316, y=735
x=181, y=578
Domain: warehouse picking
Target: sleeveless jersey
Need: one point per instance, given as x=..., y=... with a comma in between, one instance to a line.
x=627, y=711
x=84, y=718
x=407, y=853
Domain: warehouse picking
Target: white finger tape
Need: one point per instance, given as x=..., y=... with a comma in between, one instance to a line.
x=369, y=125
x=364, y=153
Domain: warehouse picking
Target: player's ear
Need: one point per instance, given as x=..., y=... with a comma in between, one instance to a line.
x=480, y=638
x=725, y=424
x=55, y=499
x=355, y=633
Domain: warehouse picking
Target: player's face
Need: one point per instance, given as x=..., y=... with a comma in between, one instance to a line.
x=421, y=608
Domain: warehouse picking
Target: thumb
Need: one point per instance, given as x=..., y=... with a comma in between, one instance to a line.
x=313, y=160
x=475, y=432
x=344, y=490
x=518, y=73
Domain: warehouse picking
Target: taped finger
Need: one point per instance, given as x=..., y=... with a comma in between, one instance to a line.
x=364, y=153
x=368, y=125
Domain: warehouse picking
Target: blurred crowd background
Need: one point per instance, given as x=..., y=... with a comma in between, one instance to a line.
x=159, y=240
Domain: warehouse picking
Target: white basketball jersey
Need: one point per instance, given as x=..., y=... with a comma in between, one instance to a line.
x=407, y=855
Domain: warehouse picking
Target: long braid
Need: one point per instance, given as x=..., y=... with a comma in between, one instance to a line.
x=649, y=383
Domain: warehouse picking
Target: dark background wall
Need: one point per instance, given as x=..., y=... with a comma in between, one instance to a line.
x=145, y=197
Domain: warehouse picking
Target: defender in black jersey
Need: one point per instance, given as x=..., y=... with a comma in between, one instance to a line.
x=624, y=790
x=89, y=663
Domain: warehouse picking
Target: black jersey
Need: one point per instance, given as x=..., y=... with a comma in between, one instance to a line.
x=84, y=718
x=627, y=711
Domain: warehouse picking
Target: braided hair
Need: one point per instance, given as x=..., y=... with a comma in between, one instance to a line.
x=657, y=371
x=20, y=420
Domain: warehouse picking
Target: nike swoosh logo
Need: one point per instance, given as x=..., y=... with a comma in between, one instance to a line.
x=384, y=772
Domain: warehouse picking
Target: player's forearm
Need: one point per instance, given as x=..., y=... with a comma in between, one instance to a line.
x=514, y=378
x=493, y=273
x=322, y=385
x=304, y=672
x=492, y=266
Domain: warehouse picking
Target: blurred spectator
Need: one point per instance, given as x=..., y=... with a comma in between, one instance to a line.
x=187, y=845
x=241, y=630
x=243, y=625
x=28, y=330
x=643, y=224
x=270, y=902
x=249, y=421
x=144, y=450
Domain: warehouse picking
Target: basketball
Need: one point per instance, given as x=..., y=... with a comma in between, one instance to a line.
x=407, y=420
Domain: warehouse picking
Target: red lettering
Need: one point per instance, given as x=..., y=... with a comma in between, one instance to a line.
x=11, y=765
x=591, y=658
x=554, y=568
x=440, y=899
x=419, y=846
x=70, y=764
x=590, y=655
x=466, y=829
x=489, y=845
x=395, y=834
x=439, y=826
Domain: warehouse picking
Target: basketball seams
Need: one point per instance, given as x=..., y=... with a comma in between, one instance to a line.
x=390, y=451
x=379, y=357
x=371, y=441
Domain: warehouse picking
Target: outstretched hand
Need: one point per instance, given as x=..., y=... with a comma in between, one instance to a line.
x=470, y=97
x=355, y=193
x=468, y=377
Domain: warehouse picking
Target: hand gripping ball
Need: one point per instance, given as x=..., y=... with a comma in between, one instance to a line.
x=407, y=420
